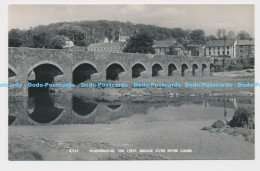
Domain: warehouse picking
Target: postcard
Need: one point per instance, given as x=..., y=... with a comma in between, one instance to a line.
x=131, y=82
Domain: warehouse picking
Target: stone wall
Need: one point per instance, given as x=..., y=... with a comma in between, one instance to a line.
x=23, y=60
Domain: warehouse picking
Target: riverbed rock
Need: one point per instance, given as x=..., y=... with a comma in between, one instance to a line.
x=161, y=73
x=122, y=75
x=144, y=74
x=219, y=124
x=111, y=92
x=95, y=76
x=138, y=92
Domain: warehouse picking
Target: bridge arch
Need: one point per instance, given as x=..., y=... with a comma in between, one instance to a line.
x=45, y=62
x=83, y=62
x=12, y=119
x=171, y=68
x=156, y=67
x=184, y=67
x=203, y=68
x=12, y=71
x=113, y=69
x=137, y=68
x=212, y=67
x=43, y=72
x=82, y=71
x=195, y=68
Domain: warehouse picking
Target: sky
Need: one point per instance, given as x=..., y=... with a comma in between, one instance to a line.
x=206, y=17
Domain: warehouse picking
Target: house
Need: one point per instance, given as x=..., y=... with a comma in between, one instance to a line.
x=106, y=40
x=244, y=48
x=67, y=43
x=116, y=47
x=123, y=38
x=220, y=48
x=164, y=47
x=196, y=50
x=179, y=49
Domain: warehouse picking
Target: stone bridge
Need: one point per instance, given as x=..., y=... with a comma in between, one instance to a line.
x=72, y=66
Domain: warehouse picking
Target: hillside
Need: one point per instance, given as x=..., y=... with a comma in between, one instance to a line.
x=83, y=33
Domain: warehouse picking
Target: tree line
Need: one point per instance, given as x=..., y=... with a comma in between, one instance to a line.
x=83, y=33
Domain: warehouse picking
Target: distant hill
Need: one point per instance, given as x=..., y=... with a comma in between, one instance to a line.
x=83, y=33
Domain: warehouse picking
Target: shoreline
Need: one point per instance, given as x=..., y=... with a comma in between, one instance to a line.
x=56, y=141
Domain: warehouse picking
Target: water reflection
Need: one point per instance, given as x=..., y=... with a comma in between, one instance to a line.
x=113, y=107
x=46, y=108
x=41, y=107
x=82, y=107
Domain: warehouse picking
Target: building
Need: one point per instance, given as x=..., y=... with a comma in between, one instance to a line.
x=68, y=44
x=164, y=47
x=106, y=40
x=123, y=38
x=170, y=47
x=116, y=47
x=196, y=50
x=179, y=49
x=244, y=48
x=220, y=48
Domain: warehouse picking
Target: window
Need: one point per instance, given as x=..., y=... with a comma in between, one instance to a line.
x=241, y=51
x=227, y=47
x=209, y=53
x=209, y=48
x=218, y=48
x=218, y=53
x=228, y=52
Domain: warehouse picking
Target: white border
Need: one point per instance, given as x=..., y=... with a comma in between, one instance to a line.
x=117, y=165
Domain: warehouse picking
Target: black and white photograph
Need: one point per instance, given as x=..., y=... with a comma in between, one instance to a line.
x=99, y=82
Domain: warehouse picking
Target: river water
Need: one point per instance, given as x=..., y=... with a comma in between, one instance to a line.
x=49, y=109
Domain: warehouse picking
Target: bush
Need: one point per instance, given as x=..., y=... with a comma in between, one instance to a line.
x=243, y=117
x=57, y=42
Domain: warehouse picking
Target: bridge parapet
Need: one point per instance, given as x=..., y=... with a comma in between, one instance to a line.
x=25, y=60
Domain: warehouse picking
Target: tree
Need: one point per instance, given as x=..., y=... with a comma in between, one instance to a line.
x=57, y=42
x=179, y=34
x=243, y=35
x=74, y=33
x=197, y=36
x=231, y=35
x=40, y=40
x=221, y=34
x=139, y=43
x=15, y=38
x=211, y=37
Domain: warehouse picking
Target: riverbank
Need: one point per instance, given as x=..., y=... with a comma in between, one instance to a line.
x=74, y=142
x=233, y=78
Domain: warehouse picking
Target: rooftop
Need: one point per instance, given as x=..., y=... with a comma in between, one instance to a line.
x=164, y=43
x=246, y=42
x=107, y=45
x=195, y=45
x=216, y=43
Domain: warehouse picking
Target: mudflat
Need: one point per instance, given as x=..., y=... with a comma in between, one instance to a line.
x=126, y=139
